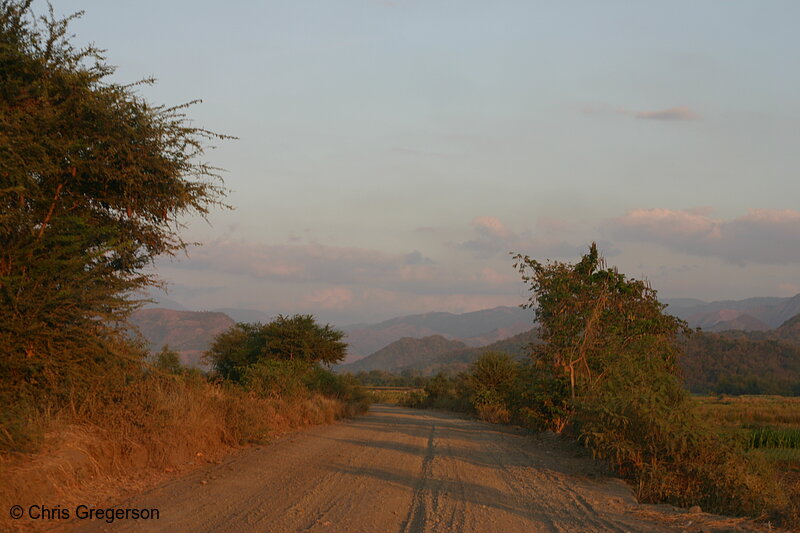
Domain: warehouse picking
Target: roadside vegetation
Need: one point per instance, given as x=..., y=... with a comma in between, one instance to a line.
x=93, y=183
x=607, y=375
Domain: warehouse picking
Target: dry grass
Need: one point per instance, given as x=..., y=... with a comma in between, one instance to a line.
x=154, y=428
x=392, y=395
x=741, y=415
x=739, y=411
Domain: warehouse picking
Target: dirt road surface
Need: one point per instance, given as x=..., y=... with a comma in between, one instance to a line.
x=404, y=470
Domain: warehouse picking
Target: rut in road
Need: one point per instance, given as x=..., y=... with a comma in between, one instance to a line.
x=404, y=470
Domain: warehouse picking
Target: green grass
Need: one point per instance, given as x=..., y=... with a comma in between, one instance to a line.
x=768, y=426
x=769, y=437
x=392, y=395
x=752, y=411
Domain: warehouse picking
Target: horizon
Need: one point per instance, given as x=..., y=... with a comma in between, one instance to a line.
x=695, y=302
x=392, y=154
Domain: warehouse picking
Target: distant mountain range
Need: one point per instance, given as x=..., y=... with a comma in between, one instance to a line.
x=477, y=328
x=407, y=352
x=433, y=354
x=743, y=361
x=189, y=333
x=752, y=314
x=747, y=361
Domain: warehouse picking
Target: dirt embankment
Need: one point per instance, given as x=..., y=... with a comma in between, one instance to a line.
x=406, y=470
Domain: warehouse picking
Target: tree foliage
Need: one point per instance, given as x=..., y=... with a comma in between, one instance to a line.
x=93, y=180
x=295, y=338
x=608, y=372
x=589, y=317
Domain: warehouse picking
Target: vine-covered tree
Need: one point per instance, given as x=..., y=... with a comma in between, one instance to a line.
x=590, y=318
x=607, y=370
x=93, y=180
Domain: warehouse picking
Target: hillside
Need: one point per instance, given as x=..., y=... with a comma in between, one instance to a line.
x=476, y=328
x=769, y=311
x=187, y=332
x=739, y=364
x=789, y=331
x=405, y=353
x=434, y=354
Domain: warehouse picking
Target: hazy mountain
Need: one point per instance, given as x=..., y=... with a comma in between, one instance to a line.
x=741, y=360
x=187, y=332
x=162, y=302
x=770, y=311
x=790, y=330
x=473, y=329
x=727, y=319
x=460, y=360
x=405, y=353
x=246, y=315
x=436, y=354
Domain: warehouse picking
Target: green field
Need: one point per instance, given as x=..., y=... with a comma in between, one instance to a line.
x=765, y=426
x=393, y=395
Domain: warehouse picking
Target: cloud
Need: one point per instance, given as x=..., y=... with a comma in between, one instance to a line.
x=331, y=298
x=678, y=113
x=762, y=236
x=491, y=227
x=673, y=113
x=788, y=289
x=332, y=271
x=553, y=224
x=308, y=262
x=494, y=238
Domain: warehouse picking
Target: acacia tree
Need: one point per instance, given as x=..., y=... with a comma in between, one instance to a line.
x=297, y=338
x=93, y=181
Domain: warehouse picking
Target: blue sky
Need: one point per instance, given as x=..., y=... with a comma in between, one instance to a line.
x=392, y=153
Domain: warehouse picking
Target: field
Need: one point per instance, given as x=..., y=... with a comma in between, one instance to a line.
x=765, y=426
x=391, y=395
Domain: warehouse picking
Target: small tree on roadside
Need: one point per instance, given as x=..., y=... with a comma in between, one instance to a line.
x=297, y=338
x=169, y=361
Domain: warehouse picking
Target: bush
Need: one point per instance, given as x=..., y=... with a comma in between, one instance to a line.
x=645, y=424
x=277, y=378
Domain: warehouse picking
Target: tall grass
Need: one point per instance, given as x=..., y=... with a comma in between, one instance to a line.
x=768, y=437
x=86, y=451
x=750, y=410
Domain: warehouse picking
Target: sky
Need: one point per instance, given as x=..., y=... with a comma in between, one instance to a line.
x=391, y=154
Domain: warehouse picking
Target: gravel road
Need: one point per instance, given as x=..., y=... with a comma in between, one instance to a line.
x=405, y=470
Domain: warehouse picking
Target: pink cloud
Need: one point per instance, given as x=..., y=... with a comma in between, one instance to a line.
x=673, y=113
x=494, y=238
x=331, y=298
x=553, y=224
x=788, y=289
x=764, y=236
x=491, y=226
x=677, y=113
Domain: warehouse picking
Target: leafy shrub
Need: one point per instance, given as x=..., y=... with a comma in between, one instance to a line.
x=277, y=378
x=345, y=387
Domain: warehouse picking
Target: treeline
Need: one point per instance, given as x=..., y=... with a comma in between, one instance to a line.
x=725, y=364
x=380, y=378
